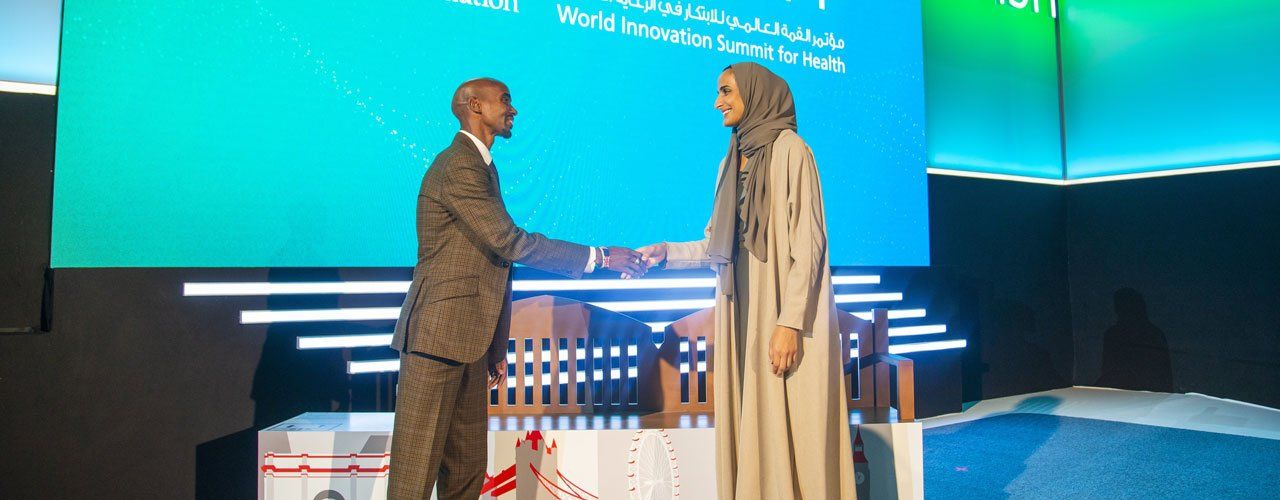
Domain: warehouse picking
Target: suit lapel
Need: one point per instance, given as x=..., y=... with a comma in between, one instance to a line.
x=460, y=140
x=493, y=174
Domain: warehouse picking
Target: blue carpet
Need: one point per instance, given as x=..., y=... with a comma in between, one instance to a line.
x=1023, y=455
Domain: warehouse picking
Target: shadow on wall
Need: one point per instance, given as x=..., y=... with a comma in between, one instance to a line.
x=290, y=381
x=287, y=382
x=1011, y=349
x=1135, y=352
x=227, y=467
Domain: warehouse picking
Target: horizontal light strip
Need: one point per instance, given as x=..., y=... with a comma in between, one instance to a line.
x=567, y=285
x=1106, y=178
x=1172, y=172
x=333, y=287
x=28, y=88
x=655, y=305
x=377, y=287
x=561, y=285
x=928, y=346
x=345, y=341
x=686, y=304
x=855, y=280
x=390, y=313
x=894, y=314
x=301, y=315
x=858, y=298
x=903, y=331
x=379, y=366
x=994, y=176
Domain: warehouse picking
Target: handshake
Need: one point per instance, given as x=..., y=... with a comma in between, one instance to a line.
x=632, y=263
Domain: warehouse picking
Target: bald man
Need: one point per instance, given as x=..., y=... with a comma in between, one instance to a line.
x=453, y=328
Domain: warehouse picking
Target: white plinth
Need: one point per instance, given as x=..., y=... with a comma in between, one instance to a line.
x=346, y=456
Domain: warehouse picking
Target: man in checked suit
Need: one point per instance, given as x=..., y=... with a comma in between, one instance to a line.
x=453, y=328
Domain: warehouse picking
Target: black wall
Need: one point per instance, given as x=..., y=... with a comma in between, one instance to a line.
x=999, y=278
x=140, y=392
x=1175, y=284
x=26, y=183
x=1167, y=284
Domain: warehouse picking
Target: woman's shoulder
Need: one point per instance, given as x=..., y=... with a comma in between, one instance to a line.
x=789, y=141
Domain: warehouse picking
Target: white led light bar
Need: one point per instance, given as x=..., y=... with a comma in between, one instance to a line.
x=903, y=331
x=390, y=313
x=333, y=287
x=379, y=366
x=28, y=88
x=858, y=298
x=1106, y=178
x=928, y=346
x=344, y=341
x=302, y=315
x=392, y=287
x=894, y=314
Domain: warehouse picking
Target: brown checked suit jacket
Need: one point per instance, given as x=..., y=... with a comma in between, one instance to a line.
x=459, y=305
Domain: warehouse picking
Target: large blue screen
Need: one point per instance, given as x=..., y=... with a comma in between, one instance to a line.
x=295, y=133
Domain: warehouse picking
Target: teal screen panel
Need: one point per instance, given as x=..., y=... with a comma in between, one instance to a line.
x=1154, y=85
x=196, y=133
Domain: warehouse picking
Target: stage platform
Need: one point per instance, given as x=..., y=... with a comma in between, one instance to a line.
x=1085, y=442
x=1195, y=412
x=345, y=456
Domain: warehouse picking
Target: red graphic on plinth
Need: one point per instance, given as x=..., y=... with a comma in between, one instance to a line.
x=534, y=455
x=861, y=469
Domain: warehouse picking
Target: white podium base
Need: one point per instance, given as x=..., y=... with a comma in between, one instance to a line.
x=346, y=456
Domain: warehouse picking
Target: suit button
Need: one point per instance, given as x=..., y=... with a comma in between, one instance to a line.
x=505, y=264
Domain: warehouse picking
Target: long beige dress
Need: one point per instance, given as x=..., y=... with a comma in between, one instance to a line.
x=781, y=437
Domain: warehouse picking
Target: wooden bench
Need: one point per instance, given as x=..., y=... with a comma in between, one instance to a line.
x=571, y=358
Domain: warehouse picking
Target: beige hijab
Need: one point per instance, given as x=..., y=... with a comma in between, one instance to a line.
x=768, y=110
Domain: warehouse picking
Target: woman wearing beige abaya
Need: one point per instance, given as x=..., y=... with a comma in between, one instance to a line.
x=782, y=422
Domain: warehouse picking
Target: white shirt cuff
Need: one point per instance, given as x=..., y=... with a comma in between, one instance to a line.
x=591, y=260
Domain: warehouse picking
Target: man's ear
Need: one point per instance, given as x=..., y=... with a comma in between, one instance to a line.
x=473, y=104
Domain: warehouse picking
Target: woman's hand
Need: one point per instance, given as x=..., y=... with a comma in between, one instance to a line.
x=651, y=255
x=784, y=349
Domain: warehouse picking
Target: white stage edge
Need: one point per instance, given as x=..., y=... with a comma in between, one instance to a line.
x=1195, y=412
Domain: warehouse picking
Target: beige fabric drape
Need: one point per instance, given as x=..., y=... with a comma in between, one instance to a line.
x=781, y=437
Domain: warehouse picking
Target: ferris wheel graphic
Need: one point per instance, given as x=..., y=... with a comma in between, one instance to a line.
x=652, y=470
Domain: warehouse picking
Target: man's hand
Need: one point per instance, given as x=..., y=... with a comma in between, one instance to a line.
x=626, y=261
x=784, y=349
x=652, y=255
x=497, y=373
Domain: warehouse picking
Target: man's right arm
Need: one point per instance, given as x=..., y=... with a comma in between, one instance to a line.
x=466, y=193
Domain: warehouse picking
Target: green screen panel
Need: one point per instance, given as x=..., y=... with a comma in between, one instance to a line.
x=991, y=87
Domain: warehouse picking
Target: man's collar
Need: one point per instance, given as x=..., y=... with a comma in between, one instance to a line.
x=484, y=150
